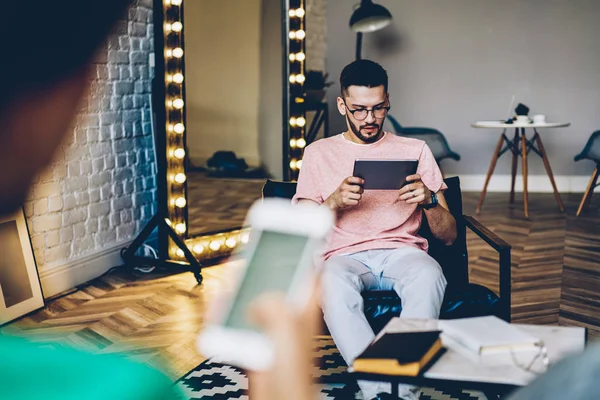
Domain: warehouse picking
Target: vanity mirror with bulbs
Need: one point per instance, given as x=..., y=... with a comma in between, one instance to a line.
x=231, y=77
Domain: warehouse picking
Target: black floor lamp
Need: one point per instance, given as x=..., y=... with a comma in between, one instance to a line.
x=368, y=17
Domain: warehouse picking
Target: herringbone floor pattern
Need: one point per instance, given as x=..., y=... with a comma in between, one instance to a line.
x=155, y=319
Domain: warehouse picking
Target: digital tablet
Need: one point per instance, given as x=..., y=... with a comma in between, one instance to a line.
x=384, y=174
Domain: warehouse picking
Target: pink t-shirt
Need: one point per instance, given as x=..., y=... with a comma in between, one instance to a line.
x=380, y=220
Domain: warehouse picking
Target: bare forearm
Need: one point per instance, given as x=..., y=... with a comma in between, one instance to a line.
x=442, y=224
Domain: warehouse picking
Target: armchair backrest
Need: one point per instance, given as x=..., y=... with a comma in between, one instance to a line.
x=453, y=259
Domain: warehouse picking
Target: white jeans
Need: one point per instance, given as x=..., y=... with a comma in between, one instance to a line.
x=410, y=272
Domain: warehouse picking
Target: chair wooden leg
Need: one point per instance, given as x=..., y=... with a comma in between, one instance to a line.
x=513, y=172
x=524, y=156
x=589, y=191
x=489, y=173
x=538, y=139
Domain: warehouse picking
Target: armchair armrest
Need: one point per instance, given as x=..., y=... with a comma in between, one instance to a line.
x=503, y=249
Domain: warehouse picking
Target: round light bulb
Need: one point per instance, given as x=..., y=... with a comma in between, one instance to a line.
x=177, y=26
x=292, y=35
x=300, y=34
x=293, y=121
x=176, y=2
x=293, y=143
x=179, y=128
x=198, y=249
x=245, y=238
x=300, y=121
x=292, y=57
x=179, y=153
x=231, y=242
x=299, y=164
x=180, y=253
x=214, y=245
x=167, y=2
x=300, y=78
x=292, y=78
x=180, y=228
x=177, y=52
x=301, y=143
x=300, y=56
x=300, y=12
x=293, y=164
x=180, y=178
x=177, y=78
x=180, y=202
x=292, y=13
x=178, y=104
x=168, y=27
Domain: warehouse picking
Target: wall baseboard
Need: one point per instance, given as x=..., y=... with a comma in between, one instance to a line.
x=59, y=277
x=535, y=183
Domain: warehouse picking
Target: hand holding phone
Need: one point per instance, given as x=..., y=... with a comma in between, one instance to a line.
x=278, y=258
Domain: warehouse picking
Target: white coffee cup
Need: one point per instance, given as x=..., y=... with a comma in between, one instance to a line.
x=539, y=118
x=524, y=119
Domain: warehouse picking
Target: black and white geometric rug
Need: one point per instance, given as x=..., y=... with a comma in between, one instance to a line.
x=211, y=380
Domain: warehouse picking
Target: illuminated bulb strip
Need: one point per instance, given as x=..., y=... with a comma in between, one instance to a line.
x=176, y=52
x=180, y=202
x=297, y=13
x=179, y=153
x=179, y=128
x=298, y=35
x=180, y=228
x=180, y=178
x=177, y=26
x=178, y=104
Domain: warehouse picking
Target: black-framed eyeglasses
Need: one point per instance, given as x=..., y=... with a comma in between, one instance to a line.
x=361, y=114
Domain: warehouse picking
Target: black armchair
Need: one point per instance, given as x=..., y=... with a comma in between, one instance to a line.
x=462, y=299
x=591, y=151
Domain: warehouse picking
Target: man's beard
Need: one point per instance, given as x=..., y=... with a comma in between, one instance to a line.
x=362, y=136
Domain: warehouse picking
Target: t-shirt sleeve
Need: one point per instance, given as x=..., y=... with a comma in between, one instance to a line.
x=429, y=171
x=308, y=188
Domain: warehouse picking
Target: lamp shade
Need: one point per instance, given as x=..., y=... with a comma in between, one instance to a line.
x=369, y=17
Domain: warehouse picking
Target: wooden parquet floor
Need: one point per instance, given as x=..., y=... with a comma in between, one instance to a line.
x=219, y=204
x=155, y=318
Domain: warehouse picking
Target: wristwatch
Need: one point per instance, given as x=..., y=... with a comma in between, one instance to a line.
x=434, y=202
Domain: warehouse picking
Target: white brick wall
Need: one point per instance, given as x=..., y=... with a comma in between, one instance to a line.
x=101, y=188
x=316, y=34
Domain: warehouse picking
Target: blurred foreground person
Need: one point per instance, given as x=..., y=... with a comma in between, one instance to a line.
x=48, y=49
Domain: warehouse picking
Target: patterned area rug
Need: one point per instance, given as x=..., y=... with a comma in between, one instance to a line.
x=211, y=380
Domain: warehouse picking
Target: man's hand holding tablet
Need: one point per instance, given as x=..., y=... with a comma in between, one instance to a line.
x=348, y=194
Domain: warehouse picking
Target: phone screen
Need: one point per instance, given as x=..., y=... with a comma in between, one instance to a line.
x=272, y=268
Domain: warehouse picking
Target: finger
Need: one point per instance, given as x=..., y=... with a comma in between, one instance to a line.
x=352, y=196
x=415, y=177
x=351, y=202
x=354, y=180
x=352, y=188
x=418, y=199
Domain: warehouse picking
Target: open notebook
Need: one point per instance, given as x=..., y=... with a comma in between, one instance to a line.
x=487, y=335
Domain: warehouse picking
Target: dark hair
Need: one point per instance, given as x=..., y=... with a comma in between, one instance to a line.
x=363, y=73
x=44, y=41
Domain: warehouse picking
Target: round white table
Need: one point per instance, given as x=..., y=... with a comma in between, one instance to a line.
x=519, y=145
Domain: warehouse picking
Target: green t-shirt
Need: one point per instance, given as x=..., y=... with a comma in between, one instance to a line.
x=36, y=371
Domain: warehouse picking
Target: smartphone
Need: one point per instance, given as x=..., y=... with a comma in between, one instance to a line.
x=279, y=257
